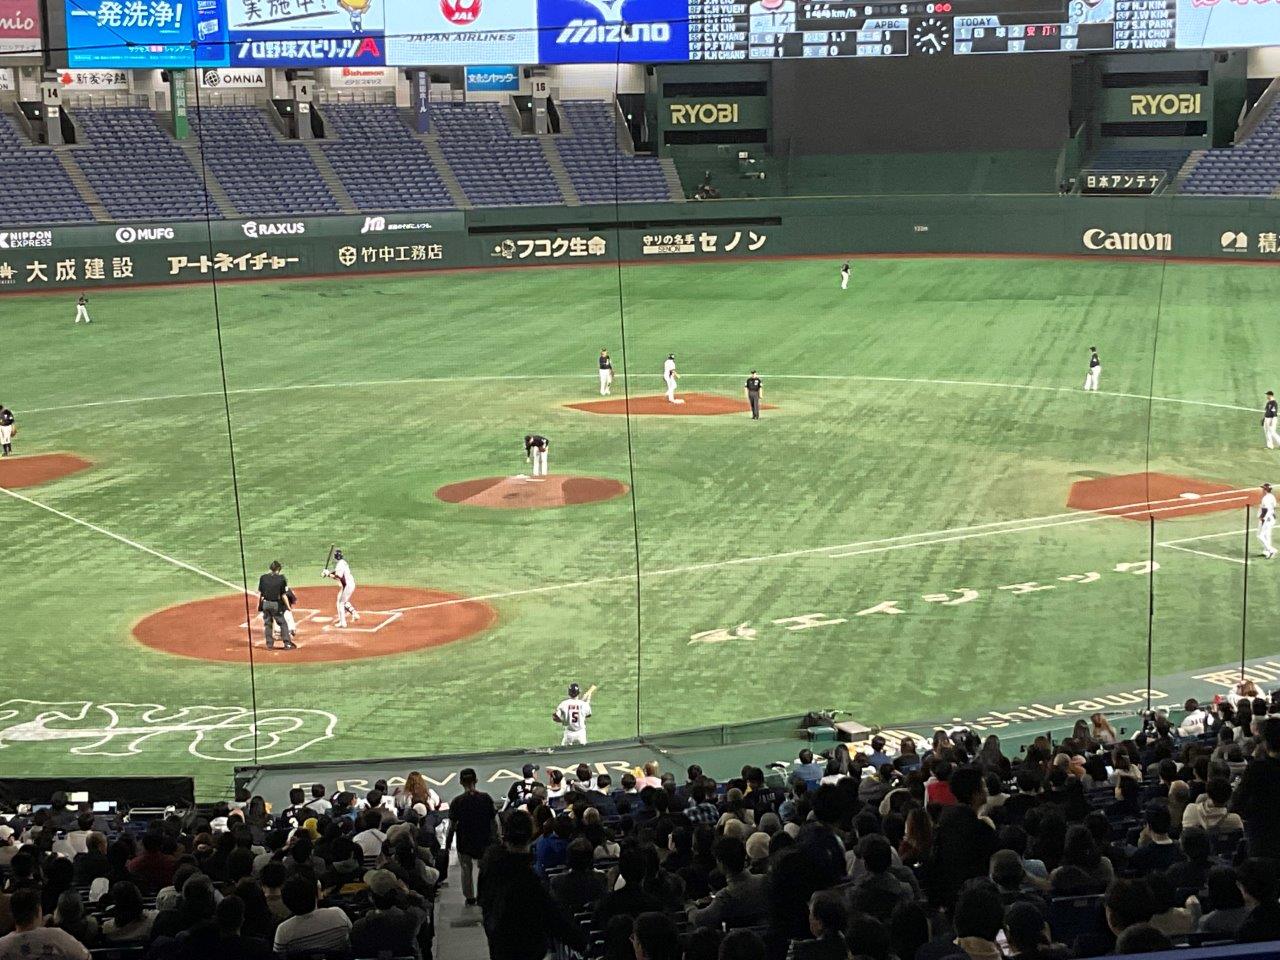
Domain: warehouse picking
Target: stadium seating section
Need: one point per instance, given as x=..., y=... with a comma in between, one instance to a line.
x=382, y=165
x=1250, y=168
x=495, y=167
x=599, y=170
x=136, y=169
x=36, y=188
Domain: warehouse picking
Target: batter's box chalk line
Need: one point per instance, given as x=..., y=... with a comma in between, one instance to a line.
x=391, y=617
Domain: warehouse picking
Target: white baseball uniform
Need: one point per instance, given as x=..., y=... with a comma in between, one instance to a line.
x=1095, y=372
x=844, y=277
x=346, y=587
x=606, y=375
x=669, y=374
x=82, y=310
x=1266, y=523
x=573, y=713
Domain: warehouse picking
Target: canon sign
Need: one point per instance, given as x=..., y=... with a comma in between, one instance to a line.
x=1098, y=239
x=134, y=234
x=252, y=229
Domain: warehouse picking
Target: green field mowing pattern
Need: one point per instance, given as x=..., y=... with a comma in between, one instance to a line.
x=930, y=425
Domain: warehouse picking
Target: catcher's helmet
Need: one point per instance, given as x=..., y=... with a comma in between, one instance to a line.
x=574, y=689
x=337, y=554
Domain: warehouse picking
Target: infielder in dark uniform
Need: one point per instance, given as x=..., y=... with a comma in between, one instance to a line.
x=535, y=452
x=8, y=427
x=1269, y=422
x=754, y=389
x=273, y=601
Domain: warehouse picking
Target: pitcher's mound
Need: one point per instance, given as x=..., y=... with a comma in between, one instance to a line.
x=392, y=620
x=694, y=405
x=519, y=493
x=39, y=468
x=1141, y=496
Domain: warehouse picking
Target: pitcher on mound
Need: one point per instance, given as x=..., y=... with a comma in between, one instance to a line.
x=670, y=375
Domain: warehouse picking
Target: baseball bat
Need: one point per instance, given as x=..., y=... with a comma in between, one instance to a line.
x=332, y=547
x=590, y=692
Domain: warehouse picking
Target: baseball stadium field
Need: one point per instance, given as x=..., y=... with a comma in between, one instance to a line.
x=933, y=517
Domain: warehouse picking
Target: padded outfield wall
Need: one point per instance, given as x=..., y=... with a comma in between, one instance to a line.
x=40, y=258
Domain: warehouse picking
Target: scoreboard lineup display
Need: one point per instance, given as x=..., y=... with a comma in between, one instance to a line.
x=405, y=33
x=777, y=29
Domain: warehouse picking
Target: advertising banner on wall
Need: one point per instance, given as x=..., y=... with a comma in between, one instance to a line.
x=19, y=27
x=279, y=33
x=347, y=77
x=93, y=80
x=625, y=31
x=502, y=79
x=462, y=31
x=140, y=34
x=229, y=78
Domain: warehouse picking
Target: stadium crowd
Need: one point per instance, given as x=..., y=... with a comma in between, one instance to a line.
x=1096, y=845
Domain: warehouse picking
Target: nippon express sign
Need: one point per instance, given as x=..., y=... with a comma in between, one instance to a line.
x=505, y=79
x=613, y=31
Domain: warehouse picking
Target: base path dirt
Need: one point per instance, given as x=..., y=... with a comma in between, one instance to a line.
x=1164, y=496
x=694, y=405
x=392, y=620
x=16, y=472
x=522, y=492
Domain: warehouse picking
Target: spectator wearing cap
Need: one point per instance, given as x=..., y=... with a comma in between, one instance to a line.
x=1257, y=798
x=743, y=901
x=520, y=792
x=392, y=927
x=312, y=928
x=757, y=847
x=31, y=938
x=1257, y=881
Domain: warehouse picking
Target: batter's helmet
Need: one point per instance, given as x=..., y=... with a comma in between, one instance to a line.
x=337, y=554
x=574, y=689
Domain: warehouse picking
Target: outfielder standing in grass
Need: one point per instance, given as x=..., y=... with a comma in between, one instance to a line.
x=844, y=276
x=1267, y=521
x=82, y=309
x=1269, y=422
x=8, y=427
x=535, y=452
x=1095, y=370
x=346, y=587
x=606, y=373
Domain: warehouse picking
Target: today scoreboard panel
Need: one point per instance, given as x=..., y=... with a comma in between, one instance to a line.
x=780, y=29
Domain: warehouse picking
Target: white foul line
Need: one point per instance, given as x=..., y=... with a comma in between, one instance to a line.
x=1202, y=553
x=1203, y=536
x=125, y=540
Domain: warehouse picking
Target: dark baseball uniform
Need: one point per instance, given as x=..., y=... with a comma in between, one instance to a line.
x=753, y=395
x=272, y=591
x=1268, y=425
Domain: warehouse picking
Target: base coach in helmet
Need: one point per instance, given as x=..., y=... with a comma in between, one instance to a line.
x=572, y=715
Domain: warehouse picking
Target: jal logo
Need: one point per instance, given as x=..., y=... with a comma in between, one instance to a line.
x=252, y=229
x=134, y=234
x=1234, y=241
x=1163, y=105
x=704, y=113
x=460, y=12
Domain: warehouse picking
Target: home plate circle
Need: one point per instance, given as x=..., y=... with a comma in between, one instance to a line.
x=392, y=620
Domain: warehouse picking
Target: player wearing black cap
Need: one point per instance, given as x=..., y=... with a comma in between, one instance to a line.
x=1095, y=370
x=535, y=452
x=572, y=714
x=1269, y=422
x=606, y=373
x=754, y=390
x=8, y=427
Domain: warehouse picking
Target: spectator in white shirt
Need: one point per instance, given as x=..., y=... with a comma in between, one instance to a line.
x=369, y=840
x=74, y=843
x=1197, y=720
x=311, y=929
x=318, y=802
x=31, y=938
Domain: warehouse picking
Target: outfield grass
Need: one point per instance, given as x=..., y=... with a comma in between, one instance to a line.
x=932, y=395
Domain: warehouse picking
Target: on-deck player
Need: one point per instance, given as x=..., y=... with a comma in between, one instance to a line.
x=1269, y=422
x=1095, y=370
x=346, y=587
x=572, y=715
x=1267, y=521
x=844, y=276
x=535, y=452
x=8, y=427
x=670, y=375
x=606, y=373
x=82, y=309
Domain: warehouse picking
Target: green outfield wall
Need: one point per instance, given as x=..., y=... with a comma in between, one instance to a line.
x=75, y=257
